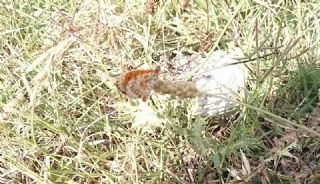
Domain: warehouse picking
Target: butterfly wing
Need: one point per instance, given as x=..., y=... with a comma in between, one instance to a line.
x=142, y=86
x=138, y=83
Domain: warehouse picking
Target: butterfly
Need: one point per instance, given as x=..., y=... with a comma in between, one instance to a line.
x=138, y=83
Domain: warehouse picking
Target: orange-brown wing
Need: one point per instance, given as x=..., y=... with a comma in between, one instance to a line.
x=138, y=83
x=142, y=86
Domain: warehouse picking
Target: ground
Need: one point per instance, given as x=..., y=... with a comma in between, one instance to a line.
x=63, y=120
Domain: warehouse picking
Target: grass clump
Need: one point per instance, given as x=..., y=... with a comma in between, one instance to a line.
x=63, y=120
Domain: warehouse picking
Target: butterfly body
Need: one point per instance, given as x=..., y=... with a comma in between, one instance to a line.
x=138, y=83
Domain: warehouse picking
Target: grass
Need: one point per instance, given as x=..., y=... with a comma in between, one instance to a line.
x=62, y=119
